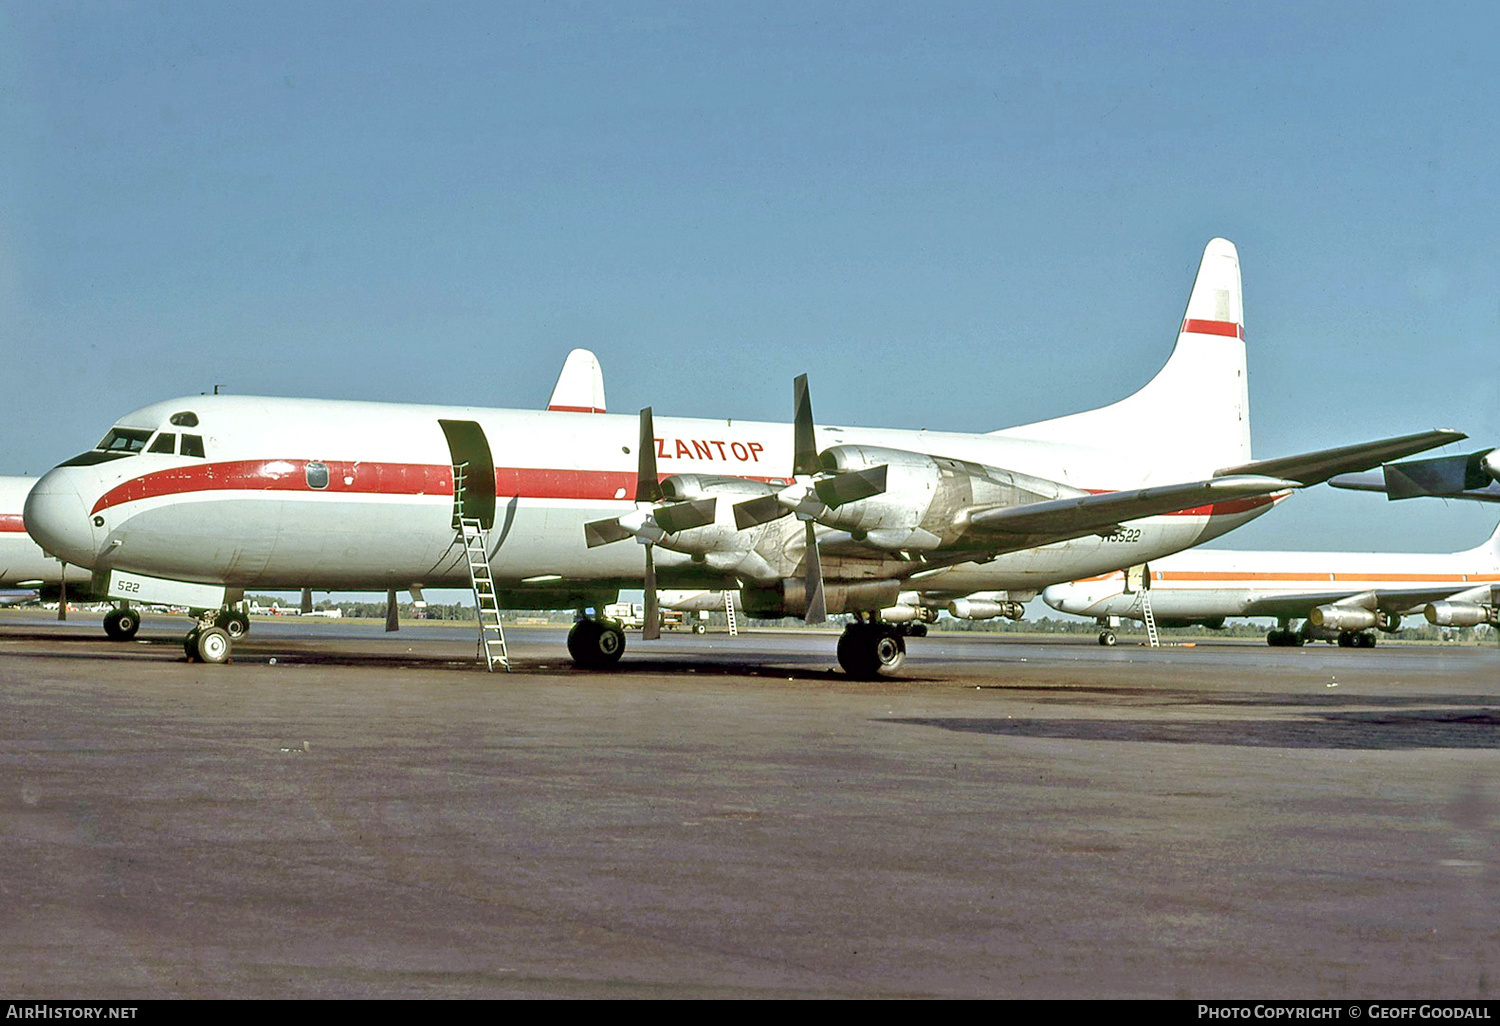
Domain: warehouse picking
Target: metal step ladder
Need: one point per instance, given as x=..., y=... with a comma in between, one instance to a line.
x=1151, y=634
x=491, y=634
x=734, y=626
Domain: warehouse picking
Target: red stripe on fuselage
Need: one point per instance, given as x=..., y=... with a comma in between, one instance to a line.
x=12, y=522
x=1229, y=328
x=369, y=479
x=360, y=478
x=575, y=409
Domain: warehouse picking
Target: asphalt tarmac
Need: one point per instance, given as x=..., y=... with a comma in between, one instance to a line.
x=346, y=813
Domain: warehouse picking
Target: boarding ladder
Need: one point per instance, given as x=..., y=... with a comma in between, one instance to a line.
x=734, y=626
x=477, y=552
x=1152, y=637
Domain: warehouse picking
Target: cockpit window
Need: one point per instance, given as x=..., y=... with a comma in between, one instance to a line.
x=165, y=442
x=124, y=440
x=192, y=445
x=185, y=419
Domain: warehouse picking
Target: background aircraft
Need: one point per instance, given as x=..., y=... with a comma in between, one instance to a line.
x=26, y=572
x=1351, y=593
x=193, y=500
x=1475, y=476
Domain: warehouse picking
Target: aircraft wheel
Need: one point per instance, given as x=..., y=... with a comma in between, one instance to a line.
x=121, y=624
x=190, y=645
x=236, y=625
x=699, y=628
x=1365, y=639
x=867, y=651
x=595, y=645
x=1278, y=639
x=213, y=645
x=1348, y=639
x=918, y=630
x=1107, y=638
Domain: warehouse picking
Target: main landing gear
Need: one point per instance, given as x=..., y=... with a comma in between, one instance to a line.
x=596, y=644
x=121, y=623
x=869, y=649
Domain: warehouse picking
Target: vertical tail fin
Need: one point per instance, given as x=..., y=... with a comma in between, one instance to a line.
x=1196, y=412
x=580, y=386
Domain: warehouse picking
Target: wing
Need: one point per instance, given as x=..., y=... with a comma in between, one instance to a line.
x=1310, y=468
x=1073, y=517
x=1401, y=601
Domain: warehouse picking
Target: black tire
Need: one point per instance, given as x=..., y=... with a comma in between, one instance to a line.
x=595, y=645
x=121, y=624
x=213, y=645
x=236, y=624
x=1107, y=639
x=190, y=645
x=867, y=651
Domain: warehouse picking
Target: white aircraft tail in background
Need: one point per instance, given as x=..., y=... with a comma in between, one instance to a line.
x=580, y=386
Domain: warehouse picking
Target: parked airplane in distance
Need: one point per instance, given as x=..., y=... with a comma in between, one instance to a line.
x=193, y=500
x=1475, y=476
x=24, y=567
x=1350, y=593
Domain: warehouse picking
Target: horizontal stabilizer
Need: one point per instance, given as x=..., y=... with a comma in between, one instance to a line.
x=1446, y=475
x=1086, y=514
x=1312, y=468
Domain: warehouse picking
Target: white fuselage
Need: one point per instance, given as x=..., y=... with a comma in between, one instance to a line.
x=22, y=560
x=289, y=492
x=1209, y=584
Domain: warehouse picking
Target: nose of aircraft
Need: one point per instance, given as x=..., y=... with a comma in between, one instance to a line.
x=58, y=518
x=1059, y=597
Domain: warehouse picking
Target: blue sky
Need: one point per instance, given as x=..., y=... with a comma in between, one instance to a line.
x=957, y=216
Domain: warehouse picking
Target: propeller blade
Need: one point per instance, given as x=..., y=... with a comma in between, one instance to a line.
x=680, y=516
x=651, y=629
x=760, y=510
x=602, y=532
x=647, y=487
x=804, y=445
x=850, y=486
x=817, y=609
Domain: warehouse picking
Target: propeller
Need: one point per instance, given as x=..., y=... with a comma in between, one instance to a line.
x=819, y=491
x=651, y=524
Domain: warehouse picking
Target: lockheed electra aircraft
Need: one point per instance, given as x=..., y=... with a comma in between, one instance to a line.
x=1346, y=595
x=191, y=501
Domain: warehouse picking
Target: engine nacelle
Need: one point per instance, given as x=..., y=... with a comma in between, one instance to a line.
x=925, y=498
x=721, y=539
x=985, y=609
x=1460, y=614
x=1343, y=618
x=790, y=597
